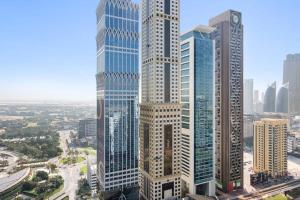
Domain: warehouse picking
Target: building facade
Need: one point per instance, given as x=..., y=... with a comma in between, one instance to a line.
x=160, y=123
x=228, y=38
x=197, y=111
x=92, y=175
x=270, y=147
x=248, y=96
x=292, y=143
x=248, y=126
x=256, y=96
x=117, y=98
x=258, y=106
x=291, y=74
x=270, y=98
x=282, y=100
x=87, y=128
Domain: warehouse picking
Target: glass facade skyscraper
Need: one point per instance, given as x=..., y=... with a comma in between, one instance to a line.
x=197, y=101
x=117, y=98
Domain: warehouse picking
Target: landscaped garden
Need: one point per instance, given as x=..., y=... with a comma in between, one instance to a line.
x=41, y=186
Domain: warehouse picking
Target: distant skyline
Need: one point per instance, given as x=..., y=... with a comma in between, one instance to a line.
x=48, y=51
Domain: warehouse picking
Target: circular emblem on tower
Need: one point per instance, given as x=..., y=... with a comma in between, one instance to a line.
x=235, y=18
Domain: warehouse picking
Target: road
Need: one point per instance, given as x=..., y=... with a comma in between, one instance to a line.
x=12, y=162
x=10, y=181
x=70, y=173
x=271, y=191
x=254, y=193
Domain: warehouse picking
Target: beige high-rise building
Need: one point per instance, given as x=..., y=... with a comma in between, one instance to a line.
x=160, y=119
x=270, y=146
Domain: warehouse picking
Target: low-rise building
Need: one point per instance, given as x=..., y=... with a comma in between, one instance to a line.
x=92, y=175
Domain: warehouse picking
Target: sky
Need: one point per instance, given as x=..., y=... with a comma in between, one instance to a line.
x=48, y=48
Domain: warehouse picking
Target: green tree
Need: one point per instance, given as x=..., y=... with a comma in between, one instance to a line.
x=52, y=167
x=56, y=182
x=84, y=188
x=42, y=175
x=28, y=185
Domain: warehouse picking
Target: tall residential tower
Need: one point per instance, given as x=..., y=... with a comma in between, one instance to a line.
x=228, y=38
x=160, y=109
x=197, y=104
x=270, y=147
x=117, y=98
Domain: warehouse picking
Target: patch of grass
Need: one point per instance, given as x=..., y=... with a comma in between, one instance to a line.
x=83, y=170
x=31, y=193
x=55, y=191
x=69, y=160
x=80, y=159
x=277, y=197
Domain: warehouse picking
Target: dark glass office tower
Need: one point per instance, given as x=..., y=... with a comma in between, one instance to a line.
x=117, y=98
x=228, y=38
x=270, y=98
x=282, y=100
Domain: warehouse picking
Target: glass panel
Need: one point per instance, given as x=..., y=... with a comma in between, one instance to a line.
x=185, y=59
x=185, y=72
x=168, y=150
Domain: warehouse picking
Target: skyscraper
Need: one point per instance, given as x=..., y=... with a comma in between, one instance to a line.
x=291, y=75
x=256, y=96
x=197, y=104
x=117, y=98
x=258, y=104
x=270, y=98
x=87, y=128
x=228, y=38
x=282, y=100
x=270, y=147
x=262, y=97
x=160, y=108
x=248, y=96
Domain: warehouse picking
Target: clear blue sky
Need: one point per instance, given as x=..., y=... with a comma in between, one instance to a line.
x=48, y=50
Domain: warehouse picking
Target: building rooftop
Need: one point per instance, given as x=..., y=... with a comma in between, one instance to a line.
x=270, y=120
x=200, y=28
x=225, y=16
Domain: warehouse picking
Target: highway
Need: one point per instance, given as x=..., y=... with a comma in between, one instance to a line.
x=10, y=181
x=12, y=162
